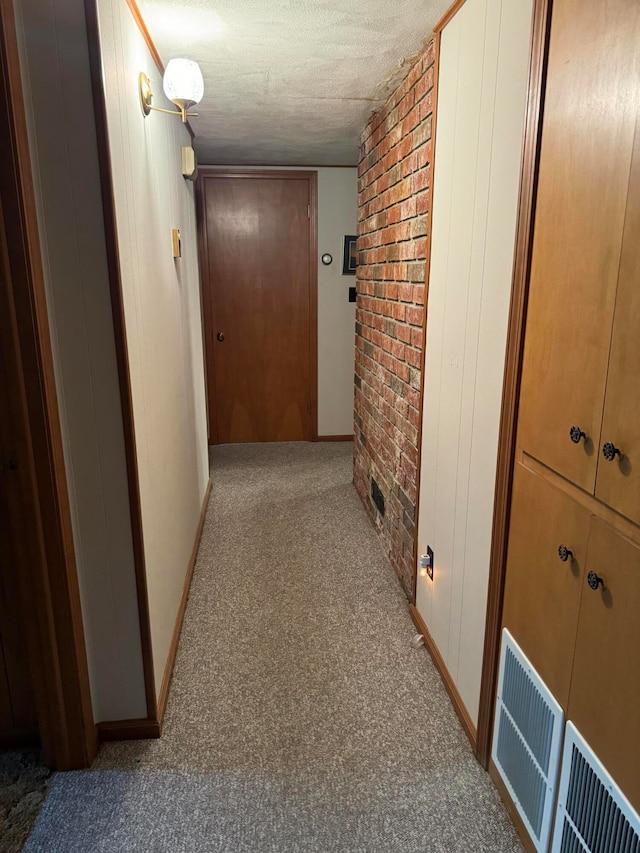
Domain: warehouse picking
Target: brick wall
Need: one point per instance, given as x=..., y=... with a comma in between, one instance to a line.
x=394, y=181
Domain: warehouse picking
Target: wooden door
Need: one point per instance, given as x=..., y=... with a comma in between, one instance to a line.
x=17, y=703
x=259, y=294
x=605, y=691
x=542, y=593
x=618, y=480
x=587, y=141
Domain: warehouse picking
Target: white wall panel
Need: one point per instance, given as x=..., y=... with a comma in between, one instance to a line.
x=162, y=317
x=481, y=102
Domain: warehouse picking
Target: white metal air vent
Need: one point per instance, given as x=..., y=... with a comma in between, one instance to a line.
x=593, y=814
x=527, y=737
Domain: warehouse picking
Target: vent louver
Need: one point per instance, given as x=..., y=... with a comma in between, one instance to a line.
x=593, y=815
x=526, y=740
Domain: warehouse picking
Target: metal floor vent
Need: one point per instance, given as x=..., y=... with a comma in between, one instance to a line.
x=593, y=814
x=527, y=737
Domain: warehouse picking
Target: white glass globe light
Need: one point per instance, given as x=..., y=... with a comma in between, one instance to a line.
x=183, y=83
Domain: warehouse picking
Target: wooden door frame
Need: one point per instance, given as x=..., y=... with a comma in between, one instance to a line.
x=239, y=172
x=45, y=558
x=541, y=22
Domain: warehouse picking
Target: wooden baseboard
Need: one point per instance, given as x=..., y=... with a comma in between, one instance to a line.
x=516, y=820
x=335, y=438
x=177, y=628
x=142, y=729
x=452, y=690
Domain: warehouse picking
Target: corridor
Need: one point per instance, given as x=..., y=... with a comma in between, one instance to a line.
x=300, y=717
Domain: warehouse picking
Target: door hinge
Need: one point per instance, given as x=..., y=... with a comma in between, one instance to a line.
x=308, y=211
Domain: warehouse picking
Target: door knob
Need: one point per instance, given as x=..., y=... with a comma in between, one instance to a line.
x=220, y=336
x=610, y=451
x=594, y=580
x=575, y=434
x=564, y=553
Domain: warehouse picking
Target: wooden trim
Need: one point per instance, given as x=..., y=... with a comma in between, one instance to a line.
x=122, y=354
x=146, y=35
x=128, y=730
x=335, y=437
x=291, y=166
x=625, y=528
x=246, y=172
x=516, y=820
x=177, y=628
x=448, y=15
x=456, y=700
x=312, y=178
x=313, y=299
x=427, y=275
x=512, y=372
x=207, y=308
x=153, y=50
x=45, y=555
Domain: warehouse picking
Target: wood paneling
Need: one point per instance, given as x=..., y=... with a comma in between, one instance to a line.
x=259, y=289
x=605, y=691
x=542, y=593
x=587, y=140
x=482, y=88
x=618, y=481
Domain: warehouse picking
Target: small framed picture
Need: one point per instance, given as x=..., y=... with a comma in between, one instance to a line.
x=350, y=257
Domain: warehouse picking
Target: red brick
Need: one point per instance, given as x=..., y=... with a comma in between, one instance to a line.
x=393, y=212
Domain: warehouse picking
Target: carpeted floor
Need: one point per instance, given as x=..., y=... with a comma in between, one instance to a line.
x=300, y=718
x=23, y=783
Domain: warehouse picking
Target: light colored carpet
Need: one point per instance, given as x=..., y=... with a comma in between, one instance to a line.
x=300, y=718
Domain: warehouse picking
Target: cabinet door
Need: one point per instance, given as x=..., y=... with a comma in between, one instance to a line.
x=618, y=480
x=605, y=691
x=542, y=592
x=587, y=140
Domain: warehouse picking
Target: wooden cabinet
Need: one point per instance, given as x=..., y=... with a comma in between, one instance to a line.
x=581, y=369
x=543, y=591
x=586, y=153
x=618, y=479
x=604, y=702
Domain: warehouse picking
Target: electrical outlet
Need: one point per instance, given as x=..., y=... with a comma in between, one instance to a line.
x=426, y=563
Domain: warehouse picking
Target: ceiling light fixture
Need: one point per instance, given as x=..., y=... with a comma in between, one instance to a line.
x=182, y=84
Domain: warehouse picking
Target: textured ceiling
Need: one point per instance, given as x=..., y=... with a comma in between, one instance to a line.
x=290, y=81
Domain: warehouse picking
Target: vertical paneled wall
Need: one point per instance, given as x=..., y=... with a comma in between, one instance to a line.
x=162, y=316
x=482, y=90
x=393, y=213
x=64, y=156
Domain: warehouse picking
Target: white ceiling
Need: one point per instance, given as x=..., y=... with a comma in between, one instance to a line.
x=290, y=81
